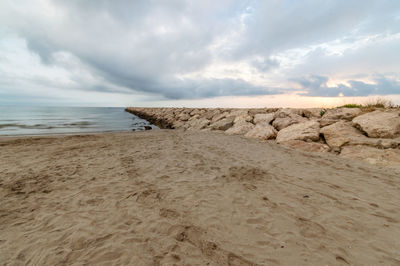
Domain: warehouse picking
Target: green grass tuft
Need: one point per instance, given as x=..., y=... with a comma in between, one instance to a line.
x=351, y=105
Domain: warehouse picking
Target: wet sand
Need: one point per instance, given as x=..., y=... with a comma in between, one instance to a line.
x=191, y=198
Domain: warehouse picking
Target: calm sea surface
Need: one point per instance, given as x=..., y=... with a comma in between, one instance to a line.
x=55, y=120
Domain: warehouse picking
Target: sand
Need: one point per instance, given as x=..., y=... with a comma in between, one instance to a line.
x=191, y=198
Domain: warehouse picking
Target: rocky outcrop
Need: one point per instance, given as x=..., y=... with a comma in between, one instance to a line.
x=379, y=124
x=345, y=131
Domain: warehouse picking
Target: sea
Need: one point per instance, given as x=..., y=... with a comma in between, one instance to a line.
x=17, y=120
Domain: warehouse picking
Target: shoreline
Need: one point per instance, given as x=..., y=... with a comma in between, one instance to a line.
x=75, y=133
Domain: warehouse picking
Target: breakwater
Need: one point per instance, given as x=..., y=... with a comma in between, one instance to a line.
x=372, y=135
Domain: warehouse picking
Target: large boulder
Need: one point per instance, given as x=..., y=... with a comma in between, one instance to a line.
x=240, y=128
x=383, y=157
x=283, y=122
x=306, y=146
x=379, y=124
x=332, y=116
x=262, y=131
x=342, y=133
x=223, y=124
x=264, y=118
x=307, y=131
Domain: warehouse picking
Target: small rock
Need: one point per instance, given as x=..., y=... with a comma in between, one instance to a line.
x=147, y=127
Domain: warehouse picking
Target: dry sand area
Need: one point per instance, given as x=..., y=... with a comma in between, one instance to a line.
x=171, y=197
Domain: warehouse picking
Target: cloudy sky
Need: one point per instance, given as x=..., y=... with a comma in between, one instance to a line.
x=198, y=53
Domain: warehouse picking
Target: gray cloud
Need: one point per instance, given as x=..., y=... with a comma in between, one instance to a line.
x=153, y=47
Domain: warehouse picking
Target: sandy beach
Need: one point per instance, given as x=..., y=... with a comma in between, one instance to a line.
x=171, y=197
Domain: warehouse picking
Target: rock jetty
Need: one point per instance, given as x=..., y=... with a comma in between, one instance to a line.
x=369, y=135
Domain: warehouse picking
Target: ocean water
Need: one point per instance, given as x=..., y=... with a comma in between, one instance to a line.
x=60, y=120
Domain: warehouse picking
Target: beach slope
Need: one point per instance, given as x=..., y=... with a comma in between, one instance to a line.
x=191, y=198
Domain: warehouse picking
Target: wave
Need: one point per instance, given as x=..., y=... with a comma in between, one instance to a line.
x=37, y=126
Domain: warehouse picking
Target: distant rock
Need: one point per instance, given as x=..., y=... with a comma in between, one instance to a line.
x=198, y=124
x=223, y=124
x=307, y=131
x=379, y=124
x=184, y=117
x=209, y=114
x=313, y=112
x=243, y=118
x=334, y=115
x=240, y=112
x=240, y=128
x=147, y=127
x=306, y=146
x=263, y=118
x=219, y=117
x=262, y=131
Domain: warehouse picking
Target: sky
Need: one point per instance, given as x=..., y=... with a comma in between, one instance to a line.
x=303, y=53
